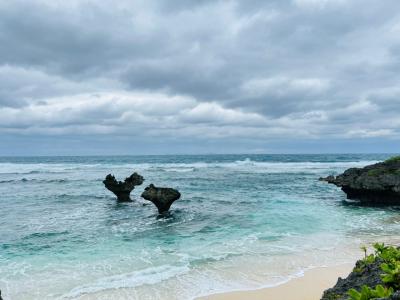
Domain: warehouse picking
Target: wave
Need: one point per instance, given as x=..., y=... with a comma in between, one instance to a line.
x=246, y=161
x=152, y=275
x=258, y=166
x=237, y=287
x=81, y=196
x=32, y=172
x=121, y=170
x=180, y=170
x=35, y=180
x=241, y=164
x=44, y=235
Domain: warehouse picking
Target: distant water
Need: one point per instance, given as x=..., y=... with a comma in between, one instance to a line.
x=244, y=221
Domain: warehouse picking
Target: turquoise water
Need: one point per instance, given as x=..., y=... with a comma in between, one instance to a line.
x=244, y=221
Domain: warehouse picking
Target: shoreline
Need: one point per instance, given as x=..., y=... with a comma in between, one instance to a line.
x=309, y=286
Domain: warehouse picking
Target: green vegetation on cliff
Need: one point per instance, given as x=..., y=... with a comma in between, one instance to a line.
x=376, y=276
x=393, y=159
x=389, y=257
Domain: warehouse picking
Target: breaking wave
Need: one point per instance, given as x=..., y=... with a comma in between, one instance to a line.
x=151, y=275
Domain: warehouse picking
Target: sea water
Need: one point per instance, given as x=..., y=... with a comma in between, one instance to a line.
x=243, y=222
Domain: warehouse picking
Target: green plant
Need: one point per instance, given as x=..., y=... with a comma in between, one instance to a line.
x=374, y=172
x=391, y=264
x=367, y=260
x=390, y=258
x=333, y=296
x=393, y=159
x=358, y=269
x=392, y=274
x=387, y=253
x=367, y=293
x=364, y=249
x=379, y=248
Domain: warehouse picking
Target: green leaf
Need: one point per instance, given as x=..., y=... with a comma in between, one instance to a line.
x=354, y=295
x=385, y=267
x=380, y=290
x=368, y=293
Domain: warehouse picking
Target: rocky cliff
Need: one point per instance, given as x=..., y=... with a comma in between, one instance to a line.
x=373, y=184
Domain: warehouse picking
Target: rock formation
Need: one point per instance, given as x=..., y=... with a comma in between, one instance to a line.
x=161, y=197
x=0, y=296
x=373, y=184
x=122, y=189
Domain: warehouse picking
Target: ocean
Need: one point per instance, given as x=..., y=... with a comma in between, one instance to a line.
x=243, y=222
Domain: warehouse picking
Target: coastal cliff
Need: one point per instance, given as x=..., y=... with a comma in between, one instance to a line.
x=377, y=184
x=377, y=276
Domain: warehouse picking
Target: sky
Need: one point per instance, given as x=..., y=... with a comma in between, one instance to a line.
x=198, y=76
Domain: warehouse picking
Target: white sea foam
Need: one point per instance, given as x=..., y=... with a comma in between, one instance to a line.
x=149, y=276
x=252, y=166
x=16, y=168
x=180, y=170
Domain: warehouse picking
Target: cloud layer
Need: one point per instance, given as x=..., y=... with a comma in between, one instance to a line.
x=258, y=76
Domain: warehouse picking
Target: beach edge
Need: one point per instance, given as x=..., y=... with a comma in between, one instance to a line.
x=310, y=286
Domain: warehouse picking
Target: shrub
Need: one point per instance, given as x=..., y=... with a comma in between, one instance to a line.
x=367, y=293
x=392, y=274
x=393, y=159
x=387, y=253
x=390, y=257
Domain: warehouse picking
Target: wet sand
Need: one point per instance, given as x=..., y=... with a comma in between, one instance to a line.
x=308, y=287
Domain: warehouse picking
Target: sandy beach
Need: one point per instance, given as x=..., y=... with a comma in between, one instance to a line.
x=308, y=287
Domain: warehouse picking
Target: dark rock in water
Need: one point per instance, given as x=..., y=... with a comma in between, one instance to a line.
x=0, y=296
x=122, y=189
x=161, y=197
x=329, y=179
x=374, y=184
x=362, y=274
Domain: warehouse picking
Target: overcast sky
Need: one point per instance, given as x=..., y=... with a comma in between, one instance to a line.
x=162, y=77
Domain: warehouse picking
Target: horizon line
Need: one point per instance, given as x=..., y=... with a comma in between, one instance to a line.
x=204, y=154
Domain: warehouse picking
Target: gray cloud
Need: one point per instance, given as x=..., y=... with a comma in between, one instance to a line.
x=212, y=69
